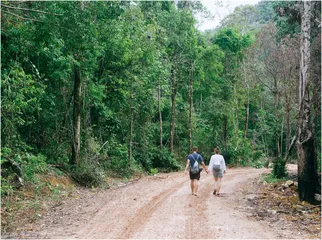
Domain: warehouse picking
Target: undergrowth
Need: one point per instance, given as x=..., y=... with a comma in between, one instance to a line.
x=271, y=178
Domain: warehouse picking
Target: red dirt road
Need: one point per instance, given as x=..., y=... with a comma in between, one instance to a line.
x=157, y=207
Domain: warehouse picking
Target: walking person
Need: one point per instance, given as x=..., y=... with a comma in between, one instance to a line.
x=217, y=166
x=194, y=161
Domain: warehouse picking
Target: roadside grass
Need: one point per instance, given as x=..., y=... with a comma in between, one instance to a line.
x=270, y=178
x=28, y=203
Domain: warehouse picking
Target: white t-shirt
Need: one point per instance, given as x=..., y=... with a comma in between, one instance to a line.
x=217, y=159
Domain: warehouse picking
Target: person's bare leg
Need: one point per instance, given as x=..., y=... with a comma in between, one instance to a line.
x=196, y=187
x=219, y=185
x=192, y=186
x=216, y=183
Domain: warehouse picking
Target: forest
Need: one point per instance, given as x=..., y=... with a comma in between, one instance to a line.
x=97, y=89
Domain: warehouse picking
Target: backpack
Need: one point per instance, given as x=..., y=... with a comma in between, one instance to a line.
x=216, y=167
x=195, y=167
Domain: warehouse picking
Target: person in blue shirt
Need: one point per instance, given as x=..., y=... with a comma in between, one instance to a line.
x=194, y=161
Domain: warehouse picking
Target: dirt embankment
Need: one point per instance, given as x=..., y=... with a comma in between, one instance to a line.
x=158, y=207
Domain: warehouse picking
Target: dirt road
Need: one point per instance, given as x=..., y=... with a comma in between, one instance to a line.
x=157, y=207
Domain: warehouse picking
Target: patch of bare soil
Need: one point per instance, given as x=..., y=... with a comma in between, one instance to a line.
x=22, y=210
x=157, y=207
x=278, y=206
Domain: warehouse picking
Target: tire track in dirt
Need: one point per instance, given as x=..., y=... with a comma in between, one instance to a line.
x=145, y=212
x=196, y=212
x=123, y=205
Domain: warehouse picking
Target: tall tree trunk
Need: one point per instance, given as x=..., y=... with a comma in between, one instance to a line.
x=247, y=109
x=277, y=146
x=316, y=99
x=236, y=117
x=131, y=124
x=200, y=103
x=307, y=176
x=225, y=130
x=306, y=154
x=214, y=136
x=173, y=110
x=264, y=142
x=191, y=106
x=282, y=130
x=246, y=120
x=160, y=113
x=288, y=123
x=76, y=117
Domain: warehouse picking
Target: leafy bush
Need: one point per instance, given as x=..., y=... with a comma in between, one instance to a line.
x=259, y=162
x=279, y=168
x=116, y=159
x=230, y=156
x=256, y=155
x=120, y=166
x=6, y=186
x=32, y=165
x=89, y=175
x=163, y=159
x=20, y=167
x=153, y=171
x=144, y=158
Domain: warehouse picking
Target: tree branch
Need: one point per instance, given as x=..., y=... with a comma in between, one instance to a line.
x=307, y=139
x=24, y=18
x=291, y=146
x=102, y=146
x=28, y=9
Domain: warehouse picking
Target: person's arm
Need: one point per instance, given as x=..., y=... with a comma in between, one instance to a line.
x=224, y=164
x=210, y=165
x=204, y=166
x=187, y=165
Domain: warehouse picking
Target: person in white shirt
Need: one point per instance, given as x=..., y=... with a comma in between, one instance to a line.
x=217, y=166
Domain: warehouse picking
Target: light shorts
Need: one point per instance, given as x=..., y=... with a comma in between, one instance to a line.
x=217, y=173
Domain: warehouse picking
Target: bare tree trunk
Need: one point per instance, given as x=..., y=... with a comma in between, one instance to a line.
x=277, y=146
x=316, y=99
x=76, y=117
x=288, y=123
x=305, y=150
x=173, y=111
x=264, y=142
x=247, y=109
x=200, y=103
x=236, y=117
x=131, y=124
x=191, y=106
x=307, y=175
x=225, y=126
x=160, y=113
x=282, y=130
x=214, y=132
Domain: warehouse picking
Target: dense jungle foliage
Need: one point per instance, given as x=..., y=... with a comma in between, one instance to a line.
x=97, y=89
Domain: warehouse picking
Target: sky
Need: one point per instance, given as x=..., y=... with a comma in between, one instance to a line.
x=220, y=9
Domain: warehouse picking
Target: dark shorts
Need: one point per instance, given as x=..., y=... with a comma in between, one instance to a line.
x=194, y=176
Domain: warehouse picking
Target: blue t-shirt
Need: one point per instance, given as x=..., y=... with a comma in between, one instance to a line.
x=195, y=157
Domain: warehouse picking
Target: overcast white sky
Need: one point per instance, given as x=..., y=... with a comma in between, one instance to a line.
x=220, y=9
